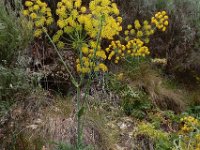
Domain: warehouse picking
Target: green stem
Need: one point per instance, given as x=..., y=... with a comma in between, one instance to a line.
x=79, y=143
x=94, y=59
x=98, y=40
x=87, y=88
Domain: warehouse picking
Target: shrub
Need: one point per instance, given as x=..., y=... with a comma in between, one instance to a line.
x=182, y=50
x=12, y=81
x=180, y=44
x=135, y=103
x=84, y=28
x=15, y=34
x=189, y=135
x=160, y=138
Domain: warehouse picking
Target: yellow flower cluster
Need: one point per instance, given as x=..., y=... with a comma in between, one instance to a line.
x=92, y=59
x=145, y=128
x=73, y=16
x=136, y=47
x=120, y=76
x=104, y=12
x=190, y=136
x=68, y=11
x=190, y=123
x=136, y=35
x=40, y=14
x=116, y=50
x=86, y=66
x=138, y=30
x=160, y=20
x=197, y=137
x=101, y=18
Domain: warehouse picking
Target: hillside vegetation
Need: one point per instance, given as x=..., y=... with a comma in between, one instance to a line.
x=100, y=75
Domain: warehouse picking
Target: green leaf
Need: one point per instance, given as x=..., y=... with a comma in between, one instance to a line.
x=74, y=83
x=81, y=112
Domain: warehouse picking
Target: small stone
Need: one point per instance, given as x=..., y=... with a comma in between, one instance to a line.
x=123, y=126
x=111, y=125
x=33, y=126
x=38, y=121
x=130, y=134
x=117, y=147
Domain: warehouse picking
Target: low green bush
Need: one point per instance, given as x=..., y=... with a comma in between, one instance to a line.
x=180, y=44
x=14, y=84
x=15, y=34
x=135, y=103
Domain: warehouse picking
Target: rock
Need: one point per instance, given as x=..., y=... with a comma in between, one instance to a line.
x=123, y=126
x=33, y=126
x=118, y=147
x=38, y=121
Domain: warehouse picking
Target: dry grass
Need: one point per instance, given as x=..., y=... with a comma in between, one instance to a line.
x=97, y=117
x=150, y=81
x=43, y=120
x=193, y=97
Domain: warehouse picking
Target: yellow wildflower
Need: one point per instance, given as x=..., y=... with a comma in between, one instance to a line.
x=166, y=23
x=49, y=21
x=83, y=9
x=103, y=67
x=129, y=26
x=137, y=24
x=61, y=23
x=85, y=50
x=36, y=7
x=28, y=3
x=38, y=33
x=77, y=3
x=60, y=45
x=33, y=15
x=25, y=12
x=139, y=34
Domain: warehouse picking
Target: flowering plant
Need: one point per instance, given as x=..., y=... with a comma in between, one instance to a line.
x=83, y=29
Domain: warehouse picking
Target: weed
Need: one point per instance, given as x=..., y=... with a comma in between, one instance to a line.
x=135, y=102
x=194, y=111
x=64, y=146
x=188, y=136
x=160, y=138
x=4, y=107
x=83, y=29
x=12, y=81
